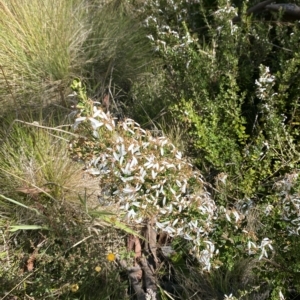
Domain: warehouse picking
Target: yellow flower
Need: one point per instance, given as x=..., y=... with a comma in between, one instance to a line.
x=98, y=269
x=110, y=257
x=74, y=288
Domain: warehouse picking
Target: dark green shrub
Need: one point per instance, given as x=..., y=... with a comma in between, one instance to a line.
x=235, y=86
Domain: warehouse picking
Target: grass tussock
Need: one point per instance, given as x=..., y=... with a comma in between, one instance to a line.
x=41, y=44
x=50, y=221
x=45, y=45
x=35, y=160
x=241, y=282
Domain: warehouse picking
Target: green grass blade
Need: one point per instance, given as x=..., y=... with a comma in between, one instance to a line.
x=19, y=203
x=15, y=228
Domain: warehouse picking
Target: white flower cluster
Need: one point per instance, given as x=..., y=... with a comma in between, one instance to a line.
x=150, y=295
x=253, y=248
x=234, y=216
x=290, y=202
x=264, y=84
x=281, y=297
x=205, y=256
x=169, y=38
x=147, y=177
x=232, y=213
x=229, y=297
x=289, y=207
x=227, y=10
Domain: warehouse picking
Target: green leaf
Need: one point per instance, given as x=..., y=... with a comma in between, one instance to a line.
x=106, y=217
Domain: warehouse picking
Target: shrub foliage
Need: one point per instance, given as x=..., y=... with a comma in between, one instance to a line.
x=234, y=85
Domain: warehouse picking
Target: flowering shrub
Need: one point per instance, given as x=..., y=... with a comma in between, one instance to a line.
x=146, y=177
x=233, y=85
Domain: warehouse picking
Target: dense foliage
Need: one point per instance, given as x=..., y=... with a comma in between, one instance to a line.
x=224, y=89
x=235, y=86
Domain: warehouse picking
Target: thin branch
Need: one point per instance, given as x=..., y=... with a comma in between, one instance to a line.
x=254, y=9
x=289, y=10
x=7, y=294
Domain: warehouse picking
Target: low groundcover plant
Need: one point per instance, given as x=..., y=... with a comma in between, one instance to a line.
x=146, y=177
